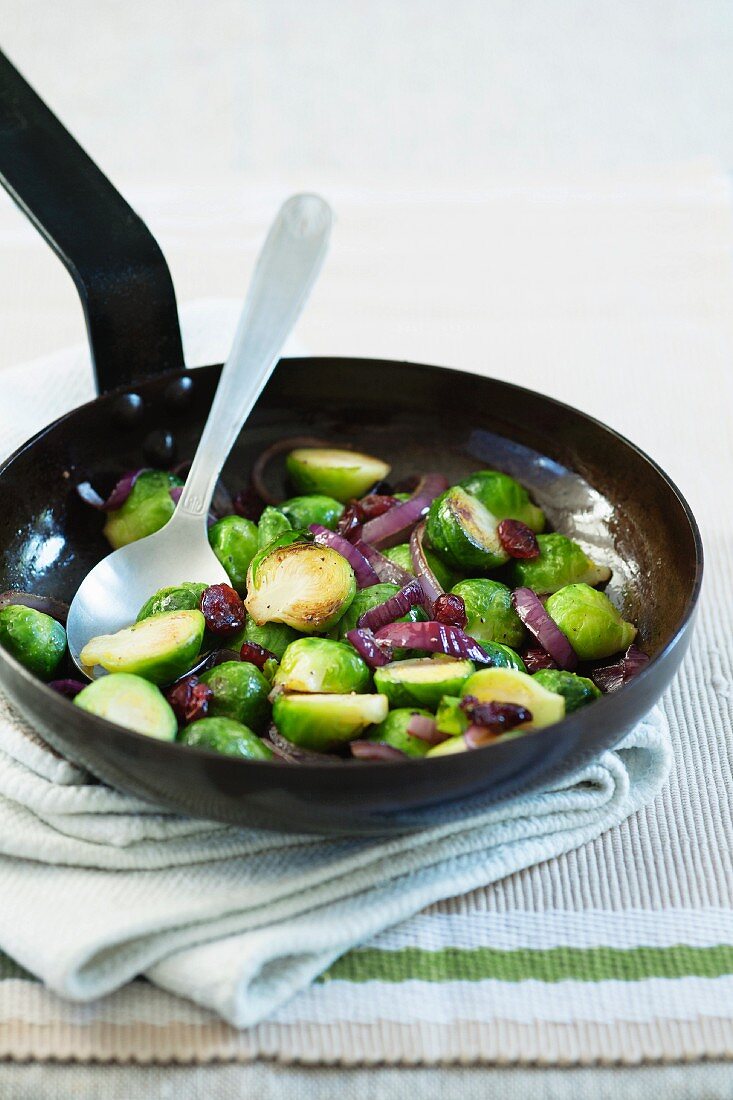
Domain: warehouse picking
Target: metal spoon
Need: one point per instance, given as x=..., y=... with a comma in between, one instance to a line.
x=115, y=590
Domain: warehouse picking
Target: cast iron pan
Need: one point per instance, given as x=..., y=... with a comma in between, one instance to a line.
x=590, y=481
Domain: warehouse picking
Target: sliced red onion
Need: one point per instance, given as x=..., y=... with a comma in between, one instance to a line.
x=296, y=754
x=376, y=751
x=366, y=645
x=47, y=604
x=365, y=575
x=434, y=638
x=116, y=498
x=429, y=582
x=389, y=572
x=476, y=737
x=424, y=729
x=529, y=607
x=258, y=470
x=394, y=607
x=612, y=677
x=68, y=688
x=394, y=526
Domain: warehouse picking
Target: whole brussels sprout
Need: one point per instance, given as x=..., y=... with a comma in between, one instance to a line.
x=34, y=639
x=309, y=587
x=489, y=612
x=561, y=561
x=313, y=508
x=235, y=541
x=146, y=510
x=240, y=693
x=321, y=665
x=132, y=702
x=503, y=656
x=336, y=473
x=320, y=722
x=401, y=556
x=464, y=532
x=589, y=621
x=160, y=648
x=393, y=731
x=504, y=497
x=367, y=598
x=226, y=736
x=185, y=596
x=273, y=636
x=273, y=523
x=576, y=690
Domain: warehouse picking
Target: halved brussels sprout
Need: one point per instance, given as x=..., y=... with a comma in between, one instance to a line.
x=506, y=685
x=240, y=693
x=235, y=542
x=226, y=736
x=146, y=510
x=423, y=681
x=160, y=648
x=489, y=612
x=273, y=636
x=321, y=665
x=589, y=621
x=273, y=523
x=450, y=718
x=132, y=702
x=367, y=598
x=33, y=638
x=336, y=473
x=561, y=562
x=177, y=597
x=313, y=508
x=463, y=532
x=393, y=731
x=309, y=587
x=401, y=556
x=576, y=690
x=320, y=722
x=504, y=497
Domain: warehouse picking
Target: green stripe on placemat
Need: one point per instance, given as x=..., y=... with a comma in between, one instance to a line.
x=588, y=964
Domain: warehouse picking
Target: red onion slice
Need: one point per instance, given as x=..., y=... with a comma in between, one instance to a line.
x=529, y=607
x=282, y=445
x=395, y=525
x=68, y=688
x=116, y=498
x=388, y=571
x=366, y=645
x=365, y=575
x=434, y=638
x=429, y=582
x=47, y=604
x=394, y=607
x=424, y=729
x=295, y=754
x=376, y=751
x=612, y=677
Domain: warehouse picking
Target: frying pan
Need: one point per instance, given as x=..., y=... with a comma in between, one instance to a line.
x=592, y=483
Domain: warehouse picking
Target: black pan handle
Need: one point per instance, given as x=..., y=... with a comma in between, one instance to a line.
x=120, y=272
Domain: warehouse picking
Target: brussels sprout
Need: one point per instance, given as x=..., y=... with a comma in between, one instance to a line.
x=178, y=597
x=240, y=693
x=589, y=621
x=421, y=682
x=506, y=685
x=132, y=702
x=489, y=612
x=575, y=690
x=367, y=598
x=273, y=523
x=314, y=508
x=504, y=497
x=235, y=541
x=273, y=636
x=320, y=722
x=463, y=532
x=561, y=562
x=34, y=639
x=393, y=731
x=309, y=587
x=321, y=665
x=401, y=556
x=146, y=510
x=339, y=474
x=503, y=656
x=160, y=648
x=450, y=718
x=226, y=736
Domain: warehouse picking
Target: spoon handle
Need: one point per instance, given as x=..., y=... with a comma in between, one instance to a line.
x=285, y=273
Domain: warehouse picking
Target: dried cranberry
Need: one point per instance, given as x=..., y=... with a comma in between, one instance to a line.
x=256, y=654
x=518, y=539
x=376, y=504
x=189, y=699
x=536, y=658
x=223, y=610
x=450, y=610
x=249, y=503
x=351, y=520
x=494, y=717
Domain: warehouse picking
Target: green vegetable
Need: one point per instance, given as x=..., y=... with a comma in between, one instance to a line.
x=367, y=598
x=393, y=731
x=273, y=523
x=506, y=685
x=177, y=597
x=589, y=621
x=449, y=717
x=503, y=656
x=491, y=617
x=132, y=702
x=401, y=556
x=464, y=532
x=273, y=636
x=34, y=639
x=575, y=690
x=561, y=562
x=335, y=473
x=322, y=665
x=504, y=497
x=320, y=722
x=309, y=587
x=313, y=508
x=146, y=510
x=421, y=682
x=235, y=541
x=160, y=648
x=240, y=693
x=226, y=736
